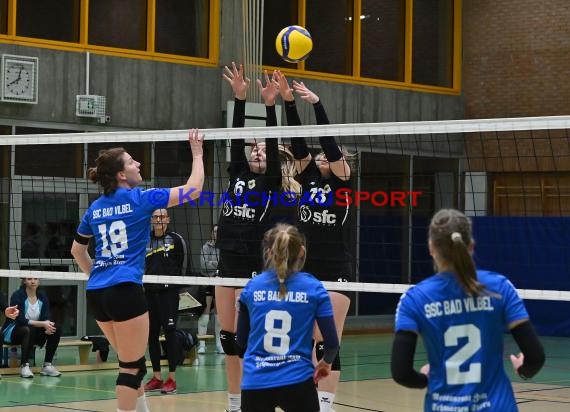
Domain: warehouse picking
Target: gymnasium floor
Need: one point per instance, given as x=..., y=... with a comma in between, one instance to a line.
x=366, y=385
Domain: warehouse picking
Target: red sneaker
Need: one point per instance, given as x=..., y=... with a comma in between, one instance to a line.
x=169, y=386
x=153, y=385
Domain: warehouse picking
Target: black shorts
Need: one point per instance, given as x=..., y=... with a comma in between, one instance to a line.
x=329, y=271
x=118, y=303
x=207, y=290
x=237, y=265
x=329, y=274
x=299, y=397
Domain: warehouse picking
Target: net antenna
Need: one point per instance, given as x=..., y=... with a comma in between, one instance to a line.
x=253, y=41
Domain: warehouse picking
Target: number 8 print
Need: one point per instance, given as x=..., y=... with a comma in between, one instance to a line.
x=277, y=326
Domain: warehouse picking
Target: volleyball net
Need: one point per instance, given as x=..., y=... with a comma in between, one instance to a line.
x=511, y=176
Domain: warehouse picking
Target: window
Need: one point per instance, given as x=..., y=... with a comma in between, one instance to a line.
x=281, y=14
x=48, y=19
x=3, y=16
x=383, y=39
x=118, y=23
x=332, y=49
x=369, y=41
x=182, y=27
x=432, y=61
x=49, y=221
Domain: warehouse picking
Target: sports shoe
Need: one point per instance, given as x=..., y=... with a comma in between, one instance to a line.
x=219, y=349
x=169, y=386
x=202, y=349
x=153, y=385
x=50, y=370
x=26, y=372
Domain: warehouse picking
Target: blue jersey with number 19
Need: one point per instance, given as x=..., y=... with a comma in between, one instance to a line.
x=279, y=348
x=463, y=336
x=120, y=224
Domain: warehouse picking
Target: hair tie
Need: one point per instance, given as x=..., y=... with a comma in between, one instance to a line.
x=281, y=280
x=456, y=236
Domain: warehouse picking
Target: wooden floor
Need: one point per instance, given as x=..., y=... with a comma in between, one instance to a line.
x=366, y=385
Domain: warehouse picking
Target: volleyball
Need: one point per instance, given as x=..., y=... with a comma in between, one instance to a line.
x=294, y=44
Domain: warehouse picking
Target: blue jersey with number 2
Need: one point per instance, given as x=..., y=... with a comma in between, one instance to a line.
x=463, y=336
x=120, y=224
x=279, y=347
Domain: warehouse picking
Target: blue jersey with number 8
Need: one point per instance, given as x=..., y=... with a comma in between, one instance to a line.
x=120, y=224
x=279, y=349
x=463, y=336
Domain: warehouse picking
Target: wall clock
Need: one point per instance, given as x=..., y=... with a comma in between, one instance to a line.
x=19, y=79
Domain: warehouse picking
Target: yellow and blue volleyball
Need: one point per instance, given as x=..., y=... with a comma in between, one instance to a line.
x=294, y=44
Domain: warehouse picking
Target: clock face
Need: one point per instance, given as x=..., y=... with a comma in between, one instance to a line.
x=19, y=82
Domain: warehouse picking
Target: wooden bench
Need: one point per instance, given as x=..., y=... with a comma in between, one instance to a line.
x=83, y=346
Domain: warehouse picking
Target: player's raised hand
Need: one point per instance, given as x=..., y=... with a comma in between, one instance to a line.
x=270, y=90
x=235, y=77
x=304, y=92
x=285, y=90
x=196, y=140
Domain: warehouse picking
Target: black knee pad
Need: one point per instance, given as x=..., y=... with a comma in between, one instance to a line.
x=132, y=381
x=229, y=344
x=320, y=351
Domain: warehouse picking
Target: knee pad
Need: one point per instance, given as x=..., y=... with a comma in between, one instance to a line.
x=132, y=381
x=229, y=344
x=320, y=351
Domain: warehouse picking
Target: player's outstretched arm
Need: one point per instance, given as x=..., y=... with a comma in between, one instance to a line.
x=299, y=146
x=195, y=183
x=339, y=166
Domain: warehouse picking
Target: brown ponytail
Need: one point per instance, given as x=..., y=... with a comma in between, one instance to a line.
x=107, y=165
x=282, y=247
x=451, y=236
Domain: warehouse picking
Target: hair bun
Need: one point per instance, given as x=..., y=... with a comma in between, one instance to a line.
x=456, y=237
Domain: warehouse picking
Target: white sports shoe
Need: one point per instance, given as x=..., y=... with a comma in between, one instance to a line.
x=26, y=372
x=50, y=370
x=202, y=349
